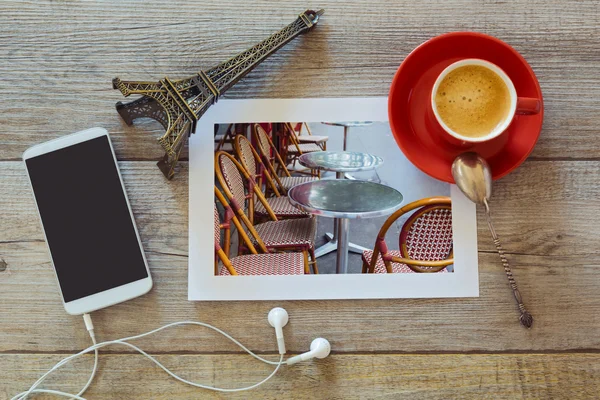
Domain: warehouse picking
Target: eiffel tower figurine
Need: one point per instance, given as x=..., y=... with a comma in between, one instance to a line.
x=178, y=104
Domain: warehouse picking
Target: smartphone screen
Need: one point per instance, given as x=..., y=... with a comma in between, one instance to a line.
x=86, y=218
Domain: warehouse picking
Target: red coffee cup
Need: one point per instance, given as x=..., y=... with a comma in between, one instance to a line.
x=518, y=105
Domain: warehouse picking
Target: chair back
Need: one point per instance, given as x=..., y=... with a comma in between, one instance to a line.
x=308, y=131
x=427, y=234
x=265, y=145
x=245, y=154
x=230, y=216
x=251, y=161
x=227, y=137
x=234, y=179
x=217, y=229
x=425, y=238
x=290, y=134
x=266, y=148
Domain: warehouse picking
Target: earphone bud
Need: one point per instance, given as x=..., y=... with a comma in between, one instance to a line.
x=319, y=348
x=278, y=318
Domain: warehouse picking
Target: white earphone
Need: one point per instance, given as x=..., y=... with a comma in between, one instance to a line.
x=319, y=348
x=278, y=318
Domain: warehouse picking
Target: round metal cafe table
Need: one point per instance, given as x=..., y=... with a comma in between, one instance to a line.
x=345, y=199
x=340, y=162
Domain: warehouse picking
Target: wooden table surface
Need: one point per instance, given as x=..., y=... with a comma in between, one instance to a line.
x=57, y=59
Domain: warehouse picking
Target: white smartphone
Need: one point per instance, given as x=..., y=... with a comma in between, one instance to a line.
x=87, y=221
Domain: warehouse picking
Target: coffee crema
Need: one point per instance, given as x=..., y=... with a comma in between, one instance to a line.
x=472, y=100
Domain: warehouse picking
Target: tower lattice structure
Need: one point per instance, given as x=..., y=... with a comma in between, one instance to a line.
x=178, y=104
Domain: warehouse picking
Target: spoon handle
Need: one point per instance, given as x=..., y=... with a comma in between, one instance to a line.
x=526, y=319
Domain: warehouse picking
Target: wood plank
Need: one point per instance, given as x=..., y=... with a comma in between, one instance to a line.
x=502, y=376
x=541, y=208
x=34, y=320
x=57, y=75
x=546, y=208
x=552, y=248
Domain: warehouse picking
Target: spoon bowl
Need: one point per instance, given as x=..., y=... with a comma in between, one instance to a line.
x=473, y=176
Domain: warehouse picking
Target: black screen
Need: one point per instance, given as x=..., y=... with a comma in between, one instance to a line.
x=86, y=218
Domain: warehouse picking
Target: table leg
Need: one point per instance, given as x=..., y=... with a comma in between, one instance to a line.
x=328, y=247
x=332, y=243
x=341, y=265
x=332, y=239
x=346, y=129
x=354, y=248
x=334, y=236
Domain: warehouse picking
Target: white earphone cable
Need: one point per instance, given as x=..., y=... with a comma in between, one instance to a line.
x=57, y=393
x=90, y=328
x=124, y=341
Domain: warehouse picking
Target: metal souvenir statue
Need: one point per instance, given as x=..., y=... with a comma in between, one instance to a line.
x=178, y=104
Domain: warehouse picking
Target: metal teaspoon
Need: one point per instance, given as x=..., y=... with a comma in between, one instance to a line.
x=473, y=176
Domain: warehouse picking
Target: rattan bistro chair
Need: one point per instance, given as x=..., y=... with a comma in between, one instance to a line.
x=270, y=155
x=224, y=142
x=321, y=141
x=253, y=164
x=274, y=235
x=237, y=178
x=225, y=226
x=254, y=264
x=292, y=149
x=425, y=240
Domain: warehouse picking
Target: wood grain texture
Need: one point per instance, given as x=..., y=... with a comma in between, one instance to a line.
x=553, y=253
x=452, y=376
x=57, y=60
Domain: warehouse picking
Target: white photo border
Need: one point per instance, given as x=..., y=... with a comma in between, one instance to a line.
x=203, y=285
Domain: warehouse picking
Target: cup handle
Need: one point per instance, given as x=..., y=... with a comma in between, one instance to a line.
x=528, y=106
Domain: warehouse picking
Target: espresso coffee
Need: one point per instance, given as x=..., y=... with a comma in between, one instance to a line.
x=472, y=100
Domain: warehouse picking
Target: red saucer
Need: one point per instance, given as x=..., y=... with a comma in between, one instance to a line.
x=423, y=141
